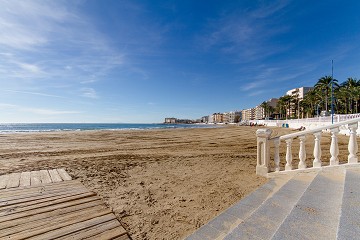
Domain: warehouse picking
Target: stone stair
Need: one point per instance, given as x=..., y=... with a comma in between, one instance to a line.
x=318, y=204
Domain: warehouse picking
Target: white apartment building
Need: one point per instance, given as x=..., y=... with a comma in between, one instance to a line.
x=300, y=92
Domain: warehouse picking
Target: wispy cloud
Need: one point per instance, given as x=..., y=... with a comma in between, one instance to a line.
x=35, y=93
x=51, y=40
x=256, y=93
x=39, y=111
x=42, y=111
x=248, y=33
x=89, y=93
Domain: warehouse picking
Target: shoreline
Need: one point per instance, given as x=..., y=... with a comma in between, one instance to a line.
x=79, y=127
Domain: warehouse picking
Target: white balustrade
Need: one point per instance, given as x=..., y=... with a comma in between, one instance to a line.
x=276, y=154
x=264, y=139
x=302, y=153
x=334, y=147
x=288, y=165
x=317, y=150
x=353, y=147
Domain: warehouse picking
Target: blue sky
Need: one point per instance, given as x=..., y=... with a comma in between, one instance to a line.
x=142, y=61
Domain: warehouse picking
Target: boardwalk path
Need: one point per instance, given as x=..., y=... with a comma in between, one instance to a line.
x=47, y=204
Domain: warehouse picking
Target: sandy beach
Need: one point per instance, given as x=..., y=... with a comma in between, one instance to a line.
x=161, y=184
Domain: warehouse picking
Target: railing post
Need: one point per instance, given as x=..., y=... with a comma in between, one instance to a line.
x=302, y=153
x=334, y=147
x=317, y=150
x=353, y=147
x=276, y=154
x=263, y=151
x=288, y=165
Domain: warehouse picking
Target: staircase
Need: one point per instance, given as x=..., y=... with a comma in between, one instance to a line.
x=322, y=203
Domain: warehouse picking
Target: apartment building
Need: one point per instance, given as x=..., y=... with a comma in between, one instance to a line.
x=248, y=114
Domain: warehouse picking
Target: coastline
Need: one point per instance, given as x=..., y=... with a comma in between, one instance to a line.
x=160, y=183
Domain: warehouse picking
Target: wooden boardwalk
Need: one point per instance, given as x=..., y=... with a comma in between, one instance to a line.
x=54, y=207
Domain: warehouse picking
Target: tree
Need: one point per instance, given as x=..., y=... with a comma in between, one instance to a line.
x=265, y=106
x=351, y=89
x=324, y=86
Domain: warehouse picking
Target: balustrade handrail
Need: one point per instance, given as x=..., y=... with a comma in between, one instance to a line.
x=335, y=125
x=264, y=140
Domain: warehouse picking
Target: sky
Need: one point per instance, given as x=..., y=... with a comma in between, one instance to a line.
x=115, y=61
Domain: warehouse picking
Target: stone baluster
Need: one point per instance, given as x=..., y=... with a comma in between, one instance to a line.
x=334, y=147
x=263, y=151
x=317, y=150
x=276, y=154
x=302, y=153
x=288, y=165
x=353, y=147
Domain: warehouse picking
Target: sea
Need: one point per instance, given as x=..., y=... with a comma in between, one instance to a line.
x=56, y=127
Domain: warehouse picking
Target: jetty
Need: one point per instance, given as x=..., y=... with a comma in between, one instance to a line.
x=49, y=204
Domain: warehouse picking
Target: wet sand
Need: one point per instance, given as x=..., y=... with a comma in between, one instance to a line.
x=161, y=184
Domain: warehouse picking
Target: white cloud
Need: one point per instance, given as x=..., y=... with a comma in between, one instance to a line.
x=34, y=93
x=52, y=40
x=40, y=111
x=248, y=33
x=89, y=93
x=43, y=111
x=256, y=93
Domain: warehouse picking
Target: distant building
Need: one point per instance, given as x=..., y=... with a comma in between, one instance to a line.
x=248, y=114
x=218, y=117
x=205, y=119
x=226, y=117
x=259, y=112
x=299, y=92
x=234, y=116
x=170, y=120
x=211, y=118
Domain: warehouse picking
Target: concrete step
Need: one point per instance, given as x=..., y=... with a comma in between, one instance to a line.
x=317, y=213
x=265, y=220
x=221, y=225
x=349, y=226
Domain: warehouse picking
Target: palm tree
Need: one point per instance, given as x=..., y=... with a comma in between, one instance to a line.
x=287, y=103
x=351, y=87
x=309, y=102
x=324, y=86
x=265, y=106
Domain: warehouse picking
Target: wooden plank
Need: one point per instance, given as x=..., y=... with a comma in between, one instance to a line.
x=55, y=177
x=110, y=234
x=27, y=189
x=45, y=176
x=60, y=222
x=24, y=179
x=8, y=196
x=3, y=181
x=90, y=231
x=47, y=206
x=76, y=226
x=35, y=178
x=35, y=199
x=14, y=180
x=63, y=174
x=46, y=215
x=40, y=225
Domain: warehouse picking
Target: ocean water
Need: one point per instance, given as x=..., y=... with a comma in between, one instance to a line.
x=52, y=127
